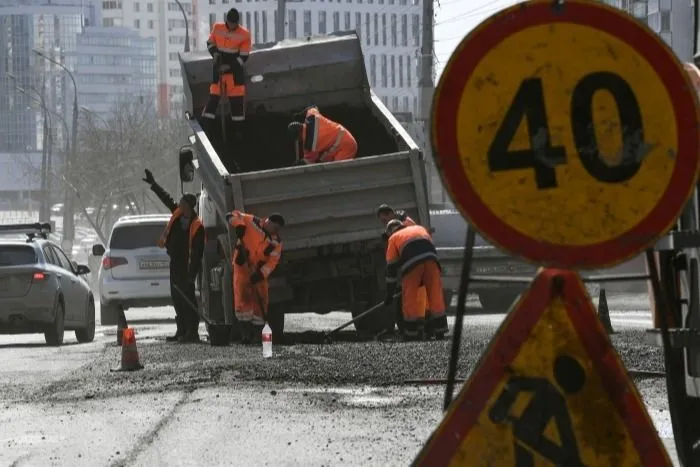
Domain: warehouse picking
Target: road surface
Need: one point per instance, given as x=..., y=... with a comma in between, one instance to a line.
x=343, y=404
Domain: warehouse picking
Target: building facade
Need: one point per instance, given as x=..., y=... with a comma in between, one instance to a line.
x=163, y=21
x=114, y=65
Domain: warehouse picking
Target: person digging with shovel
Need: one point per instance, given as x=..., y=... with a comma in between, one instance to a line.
x=258, y=252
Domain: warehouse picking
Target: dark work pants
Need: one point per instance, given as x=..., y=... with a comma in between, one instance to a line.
x=184, y=301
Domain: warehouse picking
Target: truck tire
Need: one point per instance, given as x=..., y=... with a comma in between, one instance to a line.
x=275, y=318
x=381, y=320
x=219, y=334
x=498, y=300
x=109, y=313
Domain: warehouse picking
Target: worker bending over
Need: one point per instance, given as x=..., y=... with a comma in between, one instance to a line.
x=320, y=139
x=183, y=239
x=411, y=256
x=257, y=254
x=229, y=44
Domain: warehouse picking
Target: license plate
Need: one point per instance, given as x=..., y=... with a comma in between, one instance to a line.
x=154, y=265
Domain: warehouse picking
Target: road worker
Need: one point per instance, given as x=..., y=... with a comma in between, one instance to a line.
x=412, y=258
x=229, y=44
x=257, y=254
x=320, y=139
x=183, y=238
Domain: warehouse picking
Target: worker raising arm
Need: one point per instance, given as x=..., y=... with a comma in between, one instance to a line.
x=412, y=258
x=258, y=251
x=229, y=44
x=320, y=139
x=183, y=238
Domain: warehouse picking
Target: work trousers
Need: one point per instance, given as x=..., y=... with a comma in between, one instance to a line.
x=416, y=318
x=235, y=93
x=184, y=302
x=250, y=300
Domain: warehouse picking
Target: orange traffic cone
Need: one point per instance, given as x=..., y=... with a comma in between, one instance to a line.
x=121, y=325
x=130, y=356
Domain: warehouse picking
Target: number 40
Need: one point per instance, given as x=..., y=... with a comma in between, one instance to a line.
x=542, y=157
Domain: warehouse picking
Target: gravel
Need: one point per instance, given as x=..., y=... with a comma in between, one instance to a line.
x=173, y=366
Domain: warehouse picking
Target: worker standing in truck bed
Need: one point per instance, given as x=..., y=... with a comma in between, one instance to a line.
x=229, y=44
x=258, y=252
x=320, y=139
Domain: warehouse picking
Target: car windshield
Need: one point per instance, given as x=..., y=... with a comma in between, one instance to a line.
x=17, y=255
x=131, y=237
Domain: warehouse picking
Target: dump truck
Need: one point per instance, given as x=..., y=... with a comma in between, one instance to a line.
x=333, y=253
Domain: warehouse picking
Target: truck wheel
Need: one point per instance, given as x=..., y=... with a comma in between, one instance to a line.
x=376, y=322
x=109, y=313
x=498, y=300
x=219, y=334
x=275, y=318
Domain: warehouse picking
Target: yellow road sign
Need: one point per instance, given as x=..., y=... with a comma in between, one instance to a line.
x=550, y=390
x=567, y=135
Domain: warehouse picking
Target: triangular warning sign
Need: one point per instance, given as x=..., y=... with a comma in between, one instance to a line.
x=549, y=390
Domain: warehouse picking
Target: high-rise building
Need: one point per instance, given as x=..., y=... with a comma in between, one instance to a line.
x=113, y=65
x=390, y=32
x=162, y=20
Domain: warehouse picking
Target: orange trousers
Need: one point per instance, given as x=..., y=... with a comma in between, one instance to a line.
x=234, y=92
x=423, y=277
x=250, y=300
x=346, y=150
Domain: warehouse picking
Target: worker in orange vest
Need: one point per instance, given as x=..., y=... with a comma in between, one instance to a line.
x=229, y=43
x=183, y=238
x=258, y=252
x=412, y=258
x=320, y=139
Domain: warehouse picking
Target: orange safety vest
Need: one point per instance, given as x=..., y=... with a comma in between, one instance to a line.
x=195, y=225
x=264, y=250
x=321, y=136
x=236, y=43
x=408, y=247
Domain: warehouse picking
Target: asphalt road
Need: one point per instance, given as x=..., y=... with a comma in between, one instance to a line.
x=311, y=405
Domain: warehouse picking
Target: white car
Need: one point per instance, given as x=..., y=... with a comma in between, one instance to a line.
x=135, y=272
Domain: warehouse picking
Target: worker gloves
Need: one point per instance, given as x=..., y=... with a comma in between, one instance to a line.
x=256, y=277
x=149, y=177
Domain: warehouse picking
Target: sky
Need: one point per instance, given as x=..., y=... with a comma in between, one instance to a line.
x=455, y=18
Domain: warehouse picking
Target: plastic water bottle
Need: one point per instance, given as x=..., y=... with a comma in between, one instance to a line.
x=267, y=341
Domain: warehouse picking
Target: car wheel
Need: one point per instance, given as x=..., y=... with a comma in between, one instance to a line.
x=54, y=334
x=109, y=313
x=87, y=334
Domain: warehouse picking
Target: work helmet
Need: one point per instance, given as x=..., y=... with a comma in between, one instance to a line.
x=384, y=209
x=392, y=227
x=190, y=199
x=294, y=129
x=233, y=16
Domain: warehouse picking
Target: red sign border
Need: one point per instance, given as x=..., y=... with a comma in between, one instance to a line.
x=465, y=410
x=446, y=153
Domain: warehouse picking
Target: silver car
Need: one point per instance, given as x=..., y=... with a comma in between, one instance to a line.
x=41, y=290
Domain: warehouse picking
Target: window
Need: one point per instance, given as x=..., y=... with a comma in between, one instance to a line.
x=405, y=103
x=292, y=24
x=307, y=22
x=150, y=24
x=376, y=29
x=346, y=18
x=384, y=76
x=395, y=103
x=404, y=30
x=172, y=56
x=212, y=20
x=137, y=7
x=137, y=23
x=50, y=256
x=408, y=71
x=373, y=70
x=248, y=22
x=336, y=21
x=400, y=67
x=415, y=26
x=149, y=7
x=384, y=29
x=393, y=72
x=108, y=22
x=665, y=21
x=174, y=72
x=16, y=255
x=256, y=26
x=321, y=22
x=358, y=18
x=394, y=33
x=131, y=237
x=63, y=260
x=264, y=26
x=111, y=5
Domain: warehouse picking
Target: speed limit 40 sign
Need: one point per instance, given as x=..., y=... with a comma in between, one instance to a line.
x=567, y=133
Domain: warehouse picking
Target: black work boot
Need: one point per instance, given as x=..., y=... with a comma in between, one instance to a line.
x=256, y=338
x=174, y=338
x=246, y=332
x=191, y=336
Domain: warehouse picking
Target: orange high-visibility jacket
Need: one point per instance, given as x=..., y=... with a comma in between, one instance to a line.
x=264, y=250
x=195, y=225
x=321, y=136
x=408, y=247
x=234, y=46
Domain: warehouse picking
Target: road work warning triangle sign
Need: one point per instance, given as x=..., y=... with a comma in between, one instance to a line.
x=549, y=390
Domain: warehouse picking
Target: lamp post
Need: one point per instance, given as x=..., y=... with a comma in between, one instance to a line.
x=44, y=206
x=187, y=28
x=68, y=220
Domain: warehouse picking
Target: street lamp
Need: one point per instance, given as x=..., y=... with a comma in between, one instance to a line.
x=187, y=28
x=44, y=208
x=68, y=221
